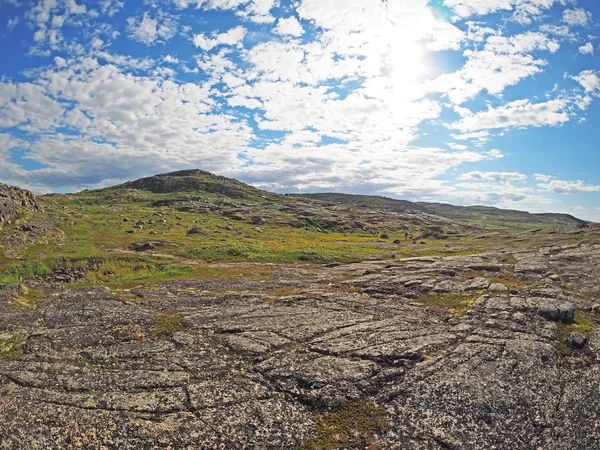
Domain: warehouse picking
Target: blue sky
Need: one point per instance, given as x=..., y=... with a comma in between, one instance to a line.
x=491, y=102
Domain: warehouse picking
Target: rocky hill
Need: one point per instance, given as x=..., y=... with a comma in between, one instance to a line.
x=15, y=201
x=500, y=216
x=192, y=311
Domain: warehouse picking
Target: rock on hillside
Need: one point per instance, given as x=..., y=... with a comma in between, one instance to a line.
x=14, y=201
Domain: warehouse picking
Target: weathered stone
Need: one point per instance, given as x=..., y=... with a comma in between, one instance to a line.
x=576, y=340
x=197, y=232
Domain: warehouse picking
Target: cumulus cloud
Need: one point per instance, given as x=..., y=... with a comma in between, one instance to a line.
x=576, y=17
x=568, y=187
x=589, y=80
x=233, y=36
x=151, y=30
x=524, y=11
x=259, y=11
x=587, y=49
x=289, y=26
x=542, y=177
x=499, y=177
x=519, y=113
x=503, y=62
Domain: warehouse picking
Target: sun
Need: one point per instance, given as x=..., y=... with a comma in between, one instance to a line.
x=406, y=61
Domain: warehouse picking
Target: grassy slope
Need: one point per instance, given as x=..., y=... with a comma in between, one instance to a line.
x=98, y=242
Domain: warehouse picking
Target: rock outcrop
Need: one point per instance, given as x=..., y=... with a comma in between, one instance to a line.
x=14, y=201
x=250, y=363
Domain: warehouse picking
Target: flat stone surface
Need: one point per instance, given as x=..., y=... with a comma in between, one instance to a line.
x=248, y=369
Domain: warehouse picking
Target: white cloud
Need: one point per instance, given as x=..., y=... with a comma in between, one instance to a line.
x=495, y=153
x=49, y=16
x=521, y=43
x=482, y=136
x=111, y=7
x=587, y=49
x=289, y=26
x=455, y=146
x=259, y=11
x=568, y=187
x=170, y=59
x=12, y=23
x=97, y=42
x=28, y=107
x=149, y=30
x=519, y=113
x=576, y=17
x=503, y=62
x=589, y=80
x=233, y=36
x=524, y=11
x=542, y=177
x=561, y=31
x=499, y=177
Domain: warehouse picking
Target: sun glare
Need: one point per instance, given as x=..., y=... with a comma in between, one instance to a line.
x=407, y=61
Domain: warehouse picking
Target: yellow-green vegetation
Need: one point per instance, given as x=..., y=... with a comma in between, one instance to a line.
x=97, y=232
x=27, y=298
x=585, y=322
x=457, y=303
x=14, y=272
x=11, y=345
x=284, y=291
x=166, y=323
x=353, y=425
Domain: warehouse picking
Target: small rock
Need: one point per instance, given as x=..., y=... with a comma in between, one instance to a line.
x=258, y=220
x=197, y=231
x=497, y=287
x=258, y=229
x=519, y=317
x=576, y=340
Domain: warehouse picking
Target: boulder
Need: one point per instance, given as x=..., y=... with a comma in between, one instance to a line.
x=197, y=232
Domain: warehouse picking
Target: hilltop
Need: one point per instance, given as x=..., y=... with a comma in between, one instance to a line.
x=190, y=310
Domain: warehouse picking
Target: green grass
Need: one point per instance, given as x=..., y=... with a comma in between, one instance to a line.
x=353, y=425
x=585, y=322
x=20, y=270
x=167, y=323
x=290, y=252
x=457, y=303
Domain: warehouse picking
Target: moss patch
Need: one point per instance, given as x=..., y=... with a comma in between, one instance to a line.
x=457, y=303
x=167, y=323
x=354, y=425
x=584, y=323
x=27, y=298
x=285, y=291
x=11, y=345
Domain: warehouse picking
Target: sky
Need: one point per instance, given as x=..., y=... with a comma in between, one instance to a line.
x=493, y=102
